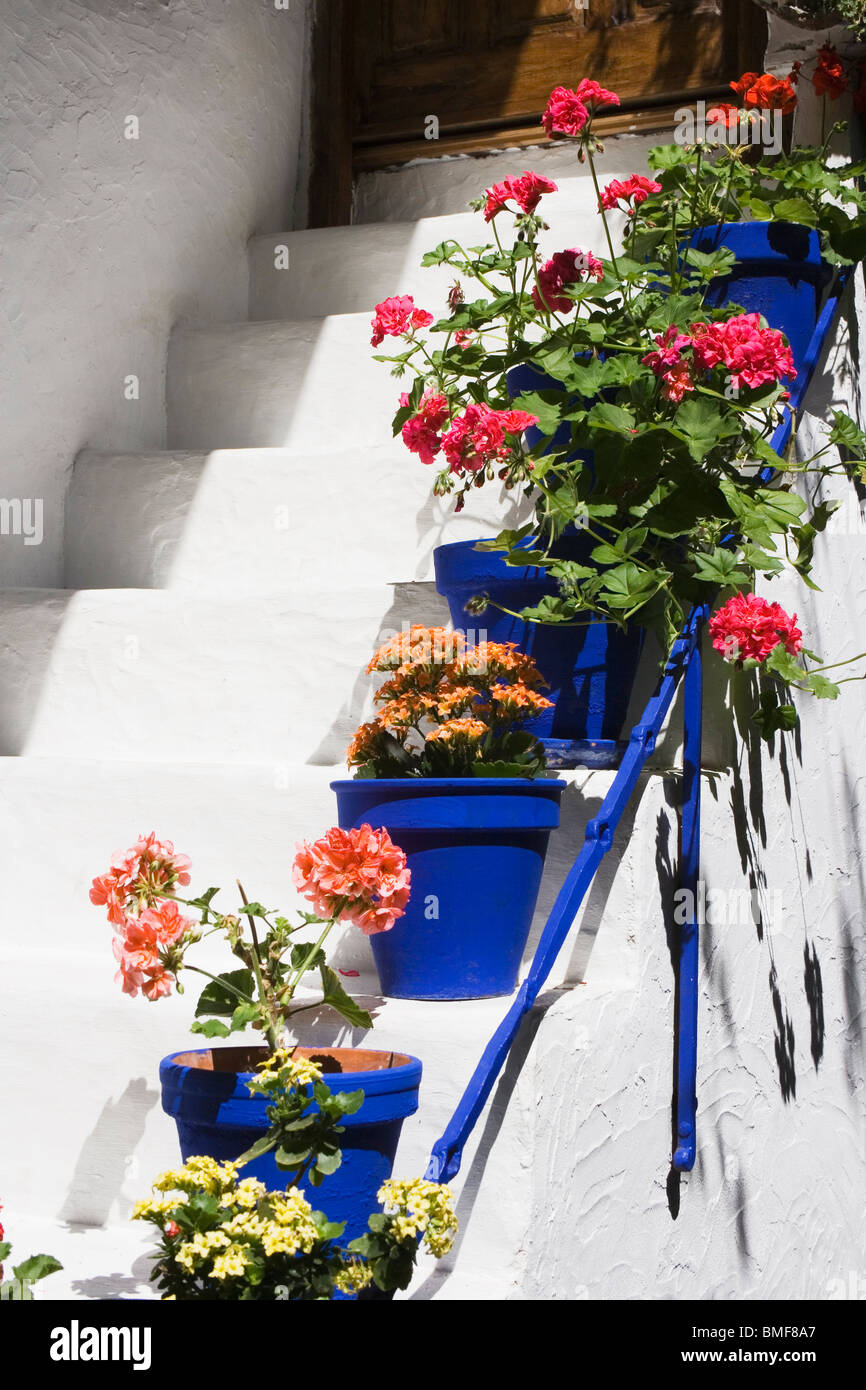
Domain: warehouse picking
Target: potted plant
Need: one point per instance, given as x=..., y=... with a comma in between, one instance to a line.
x=789, y=216
x=642, y=427
x=226, y=1237
x=24, y=1275
x=448, y=767
x=358, y=876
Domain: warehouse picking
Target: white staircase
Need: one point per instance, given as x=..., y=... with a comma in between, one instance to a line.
x=200, y=676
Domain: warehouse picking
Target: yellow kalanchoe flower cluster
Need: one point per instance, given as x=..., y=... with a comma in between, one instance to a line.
x=421, y=1208
x=232, y=1264
x=198, y=1174
x=246, y=1194
x=150, y=1207
x=195, y=1252
x=353, y=1277
x=281, y=1068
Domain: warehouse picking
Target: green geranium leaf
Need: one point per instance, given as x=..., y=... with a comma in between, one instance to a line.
x=772, y=716
x=211, y=1029
x=821, y=687
x=721, y=567
x=784, y=664
x=548, y=411
x=443, y=252
x=794, y=210
x=612, y=417
x=220, y=996
x=37, y=1267
x=334, y=995
x=846, y=432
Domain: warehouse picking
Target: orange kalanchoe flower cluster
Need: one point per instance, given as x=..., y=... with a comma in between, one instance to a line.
x=442, y=693
x=419, y=646
x=498, y=661
x=453, y=729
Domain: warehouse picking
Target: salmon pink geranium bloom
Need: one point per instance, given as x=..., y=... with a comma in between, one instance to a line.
x=359, y=874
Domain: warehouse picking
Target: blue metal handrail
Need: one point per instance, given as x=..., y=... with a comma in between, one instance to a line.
x=598, y=838
x=685, y=660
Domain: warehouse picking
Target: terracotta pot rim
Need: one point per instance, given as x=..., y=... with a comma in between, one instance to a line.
x=242, y=1060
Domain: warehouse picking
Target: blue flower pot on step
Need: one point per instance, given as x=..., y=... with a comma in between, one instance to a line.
x=589, y=670
x=779, y=273
x=476, y=849
x=204, y=1091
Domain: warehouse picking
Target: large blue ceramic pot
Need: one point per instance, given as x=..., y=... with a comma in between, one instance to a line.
x=589, y=670
x=476, y=848
x=205, y=1092
x=779, y=273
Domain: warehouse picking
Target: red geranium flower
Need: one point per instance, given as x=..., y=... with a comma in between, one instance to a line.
x=829, y=78
x=766, y=92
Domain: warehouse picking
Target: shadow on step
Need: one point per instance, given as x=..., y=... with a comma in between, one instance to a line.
x=32, y=622
x=496, y=1113
x=412, y=603
x=107, y=1157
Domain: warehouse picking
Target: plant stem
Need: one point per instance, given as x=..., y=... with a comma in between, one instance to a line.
x=601, y=209
x=270, y=1027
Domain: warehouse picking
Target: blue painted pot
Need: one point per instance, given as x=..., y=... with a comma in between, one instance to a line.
x=476, y=849
x=779, y=273
x=204, y=1091
x=589, y=670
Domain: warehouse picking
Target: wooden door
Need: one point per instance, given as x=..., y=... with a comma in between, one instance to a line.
x=399, y=79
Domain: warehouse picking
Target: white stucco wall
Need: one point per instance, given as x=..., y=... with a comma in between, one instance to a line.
x=106, y=241
x=563, y=1192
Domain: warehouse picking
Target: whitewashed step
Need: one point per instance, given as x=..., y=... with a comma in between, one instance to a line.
x=131, y=674
x=304, y=384
x=69, y=815
x=340, y=270
x=241, y=521
x=609, y=997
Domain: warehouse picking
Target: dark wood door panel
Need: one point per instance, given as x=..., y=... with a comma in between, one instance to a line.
x=479, y=66
x=484, y=70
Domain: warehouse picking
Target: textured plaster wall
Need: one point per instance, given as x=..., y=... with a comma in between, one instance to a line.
x=106, y=241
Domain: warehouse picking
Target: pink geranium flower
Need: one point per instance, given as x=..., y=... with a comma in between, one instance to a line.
x=420, y=431
x=137, y=951
x=397, y=316
x=565, y=114
x=676, y=381
x=526, y=191
x=593, y=95
x=753, y=355
x=669, y=345
x=564, y=268
x=477, y=437
x=747, y=628
x=356, y=875
x=139, y=875
x=631, y=191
